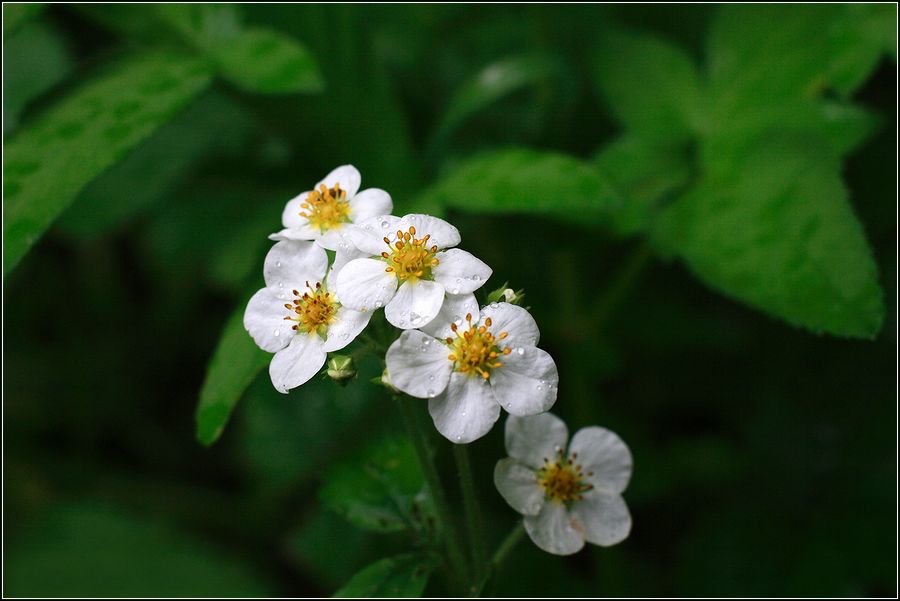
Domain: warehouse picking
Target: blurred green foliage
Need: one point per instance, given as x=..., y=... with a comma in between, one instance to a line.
x=596, y=156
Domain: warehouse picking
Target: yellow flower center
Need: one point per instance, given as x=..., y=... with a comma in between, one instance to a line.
x=313, y=311
x=476, y=350
x=410, y=257
x=563, y=479
x=326, y=208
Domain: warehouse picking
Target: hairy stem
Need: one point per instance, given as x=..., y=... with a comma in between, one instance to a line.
x=474, y=521
x=509, y=543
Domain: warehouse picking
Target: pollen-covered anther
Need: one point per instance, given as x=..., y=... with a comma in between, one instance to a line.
x=409, y=257
x=312, y=311
x=475, y=351
x=326, y=208
x=563, y=479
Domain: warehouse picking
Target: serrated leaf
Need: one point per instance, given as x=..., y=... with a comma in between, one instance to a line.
x=490, y=84
x=400, y=576
x=376, y=488
x=643, y=174
x=649, y=84
x=233, y=367
x=47, y=164
x=519, y=180
x=267, y=62
x=779, y=234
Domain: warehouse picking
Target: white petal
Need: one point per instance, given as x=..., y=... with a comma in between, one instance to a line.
x=518, y=485
x=602, y=451
x=290, y=217
x=515, y=320
x=295, y=365
x=415, y=304
x=303, y=232
x=346, y=326
x=442, y=233
x=364, y=285
x=526, y=383
x=604, y=519
x=290, y=264
x=453, y=310
x=552, y=530
x=418, y=365
x=465, y=411
x=334, y=237
x=460, y=272
x=368, y=235
x=370, y=203
x=345, y=175
x=532, y=439
x=341, y=258
x=264, y=320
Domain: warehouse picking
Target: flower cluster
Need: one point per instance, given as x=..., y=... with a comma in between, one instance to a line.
x=468, y=361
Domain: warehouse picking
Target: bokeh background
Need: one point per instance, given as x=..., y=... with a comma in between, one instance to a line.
x=764, y=445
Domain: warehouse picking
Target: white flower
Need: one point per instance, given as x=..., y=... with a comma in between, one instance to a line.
x=470, y=368
x=297, y=316
x=414, y=253
x=568, y=496
x=323, y=213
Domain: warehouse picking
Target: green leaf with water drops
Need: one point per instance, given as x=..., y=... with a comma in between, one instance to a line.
x=377, y=488
x=46, y=165
x=234, y=365
x=524, y=181
x=778, y=233
x=399, y=576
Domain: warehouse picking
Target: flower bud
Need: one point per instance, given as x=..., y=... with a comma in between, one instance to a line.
x=507, y=295
x=341, y=369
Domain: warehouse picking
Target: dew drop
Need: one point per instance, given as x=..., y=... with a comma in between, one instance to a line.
x=384, y=224
x=459, y=280
x=454, y=291
x=476, y=278
x=539, y=387
x=458, y=437
x=415, y=318
x=378, y=304
x=402, y=322
x=345, y=335
x=276, y=332
x=369, y=227
x=520, y=351
x=431, y=378
x=277, y=263
x=364, y=309
x=494, y=305
x=431, y=394
x=463, y=414
x=281, y=284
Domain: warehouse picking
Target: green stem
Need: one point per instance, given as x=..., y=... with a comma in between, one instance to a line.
x=474, y=521
x=435, y=488
x=509, y=543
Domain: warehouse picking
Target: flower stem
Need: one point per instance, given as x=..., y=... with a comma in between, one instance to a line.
x=615, y=293
x=509, y=543
x=433, y=481
x=474, y=521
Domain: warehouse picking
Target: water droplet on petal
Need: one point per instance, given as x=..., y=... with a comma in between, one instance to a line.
x=369, y=227
x=520, y=351
x=463, y=414
x=459, y=280
x=345, y=335
x=277, y=263
x=415, y=318
x=281, y=284
x=384, y=224
x=378, y=304
x=431, y=394
x=458, y=437
x=539, y=387
x=454, y=291
x=431, y=378
x=276, y=332
x=476, y=277
x=364, y=309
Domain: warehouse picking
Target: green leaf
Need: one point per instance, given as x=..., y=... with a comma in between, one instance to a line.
x=649, y=84
x=89, y=549
x=643, y=174
x=212, y=127
x=17, y=14
x=268, y=62
x=234, y=365
x=399, y=576
x=35, y=59
x=520, y=180
x=860, y=37
x=376, y=488
x=46, y=165
x=493, y=82
x=779, y=234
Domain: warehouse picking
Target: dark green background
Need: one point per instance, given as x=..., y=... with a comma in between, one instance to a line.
x=765, y=456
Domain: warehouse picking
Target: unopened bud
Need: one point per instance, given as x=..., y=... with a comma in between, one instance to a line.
x=341, y=369
x=507, y=295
